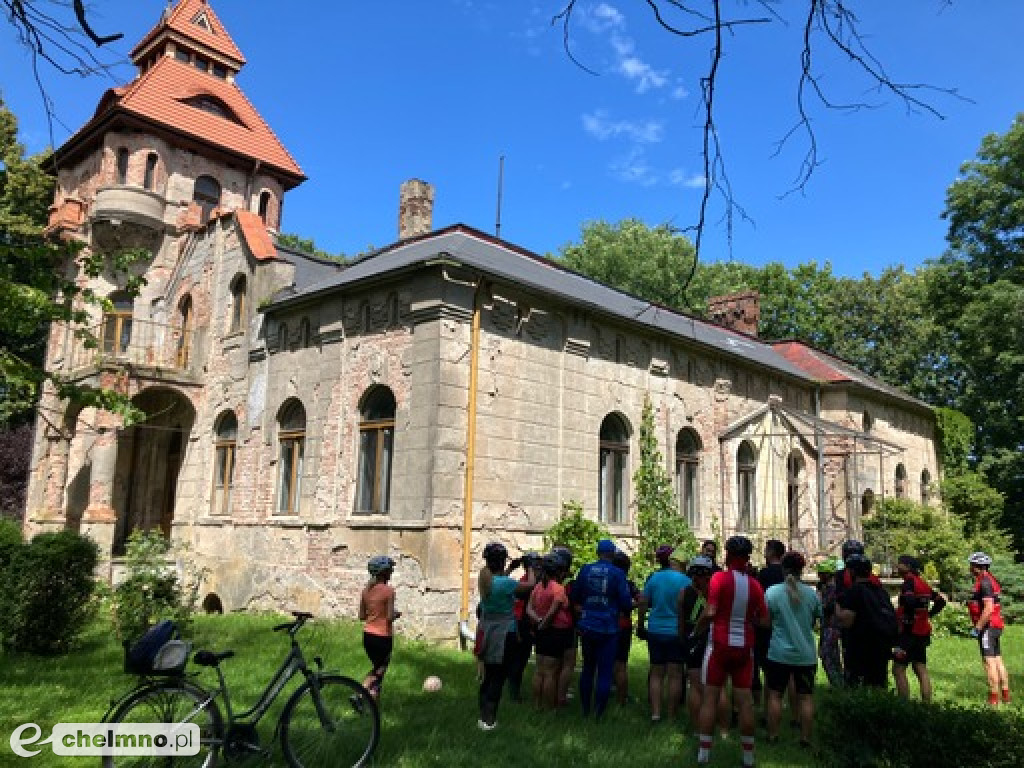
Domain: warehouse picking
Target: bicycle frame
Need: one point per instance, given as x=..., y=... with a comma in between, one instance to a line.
x=293, y=664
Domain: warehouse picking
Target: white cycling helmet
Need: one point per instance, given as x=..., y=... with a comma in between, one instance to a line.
x=980, y=558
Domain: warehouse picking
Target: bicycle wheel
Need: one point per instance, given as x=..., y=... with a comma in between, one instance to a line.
x=343, y=732
x=172, y=702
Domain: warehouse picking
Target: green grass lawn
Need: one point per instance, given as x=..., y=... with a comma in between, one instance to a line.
x=425, y=729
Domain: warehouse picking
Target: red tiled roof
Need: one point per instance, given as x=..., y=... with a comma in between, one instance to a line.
x=255, y=234
x=180, y=19
x=810, y=360
x=161, y=95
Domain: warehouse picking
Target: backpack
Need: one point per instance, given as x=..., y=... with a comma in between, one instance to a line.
x=879, y=614
x=159, y=651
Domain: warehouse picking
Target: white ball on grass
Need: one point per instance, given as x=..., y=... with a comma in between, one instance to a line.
x=432, y=684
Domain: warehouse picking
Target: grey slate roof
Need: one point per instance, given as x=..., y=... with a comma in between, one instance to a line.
x=504, y=260
x=309, y=269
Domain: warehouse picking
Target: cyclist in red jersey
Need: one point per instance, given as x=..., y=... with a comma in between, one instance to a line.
x=914, y=618
x=987, y=618
x=735, y=606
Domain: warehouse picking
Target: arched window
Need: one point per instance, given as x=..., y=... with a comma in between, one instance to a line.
x=207, y=194
x=901, y=481
x=613, y=479
x=746, y=486
x=282, y=337
x=794, y=479
x=224, y=463
x=117, y=325
x=926, y=487
x=291, y=437
x=238, y=308
x=149, y=181
x=688, y=449
x=265, y=202
x=867, y=503
x=123, y=156
x=376, y=447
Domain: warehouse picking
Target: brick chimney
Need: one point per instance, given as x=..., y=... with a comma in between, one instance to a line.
x=415, y=209
x=738, y=311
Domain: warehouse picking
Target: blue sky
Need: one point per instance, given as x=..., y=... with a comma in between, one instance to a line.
x=366, y=95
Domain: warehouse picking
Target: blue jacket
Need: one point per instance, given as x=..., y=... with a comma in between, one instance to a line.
x=602, y=591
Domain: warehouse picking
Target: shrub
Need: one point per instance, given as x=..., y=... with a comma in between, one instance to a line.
x=48, y=586
x=580, y=534
x=152, y=588
x=953, y=620
x=910, y=734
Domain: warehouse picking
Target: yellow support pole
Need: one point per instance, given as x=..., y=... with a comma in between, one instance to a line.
x=467, y=515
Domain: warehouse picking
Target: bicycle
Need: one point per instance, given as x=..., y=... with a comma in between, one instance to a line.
x=330, y=719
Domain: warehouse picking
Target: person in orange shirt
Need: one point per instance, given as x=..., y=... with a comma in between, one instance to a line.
x=548, y=608
x=377, y=611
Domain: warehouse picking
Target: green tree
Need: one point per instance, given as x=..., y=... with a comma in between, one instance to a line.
x=579, y=534
x=630, y=256
x=657, y=511
x=978, y=299
x=37, y=287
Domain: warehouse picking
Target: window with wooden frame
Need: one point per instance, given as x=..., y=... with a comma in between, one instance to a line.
x=149, y=181
x=376, y=449
x=184, y=351
x=613, y=475
x=123, y=156
x=746, y=486
x=291, y=438
x=224, y=463
x=238, y=301
x=794, y=480
x=901, y=482
x=926, y=487
x=116, y=331
x=688, y=447
x=304, y=336
x=206, y=193
x=282, y=337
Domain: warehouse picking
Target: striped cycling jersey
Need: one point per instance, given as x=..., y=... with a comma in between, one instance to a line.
x=738, y=601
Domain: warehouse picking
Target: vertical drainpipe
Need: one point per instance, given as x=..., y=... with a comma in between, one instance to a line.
x=721, y=482
x=819, y=445
x=467, y=516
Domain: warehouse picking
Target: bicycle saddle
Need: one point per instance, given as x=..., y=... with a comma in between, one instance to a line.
x=211, y=658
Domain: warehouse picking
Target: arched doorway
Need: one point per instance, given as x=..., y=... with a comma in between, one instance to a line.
x=149, y=460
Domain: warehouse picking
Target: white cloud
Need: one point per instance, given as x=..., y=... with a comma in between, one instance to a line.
x=599, y=125
x=680, y=178
x=634, y=168
x=641, y=73
x=603, y=16
x=679, y=93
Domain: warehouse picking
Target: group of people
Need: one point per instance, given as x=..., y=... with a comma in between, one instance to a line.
x=706, y=627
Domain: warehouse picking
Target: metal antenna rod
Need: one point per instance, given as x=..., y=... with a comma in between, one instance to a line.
x=501, y=176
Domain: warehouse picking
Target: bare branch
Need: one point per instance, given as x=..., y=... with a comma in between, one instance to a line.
x=84, y=23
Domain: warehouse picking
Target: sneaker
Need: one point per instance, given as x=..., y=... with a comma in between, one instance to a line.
x=356, y=700
x=484, y=726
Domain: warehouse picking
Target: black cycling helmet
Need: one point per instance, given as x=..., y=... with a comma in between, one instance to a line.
x=739, y=546
x=858, y=563
x=551, y=563
x=531, y=559
x=495, y=550
x=852, y=547
x=564, y=555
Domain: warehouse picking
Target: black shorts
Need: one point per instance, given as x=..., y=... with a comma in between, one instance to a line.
x=664, y=649
x=988, y=642
x=625, y=641
x=553, y=643
x=777, y=676
x=697, y=652
x=378, y=649
x=914, y=647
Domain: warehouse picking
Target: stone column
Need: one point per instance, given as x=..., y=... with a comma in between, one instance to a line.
x=58, y=451
x=100, y=518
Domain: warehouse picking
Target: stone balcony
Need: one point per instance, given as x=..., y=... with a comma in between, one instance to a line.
x=149, y=350
x=133, y=204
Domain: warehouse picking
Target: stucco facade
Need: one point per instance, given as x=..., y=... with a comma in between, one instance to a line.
x=304, y=415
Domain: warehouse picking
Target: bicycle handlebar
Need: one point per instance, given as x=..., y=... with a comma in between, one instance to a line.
x=301, y=617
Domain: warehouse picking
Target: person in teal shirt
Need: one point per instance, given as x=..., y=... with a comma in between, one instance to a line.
x=496, y=633
x=794, y=607
x=659, y=608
